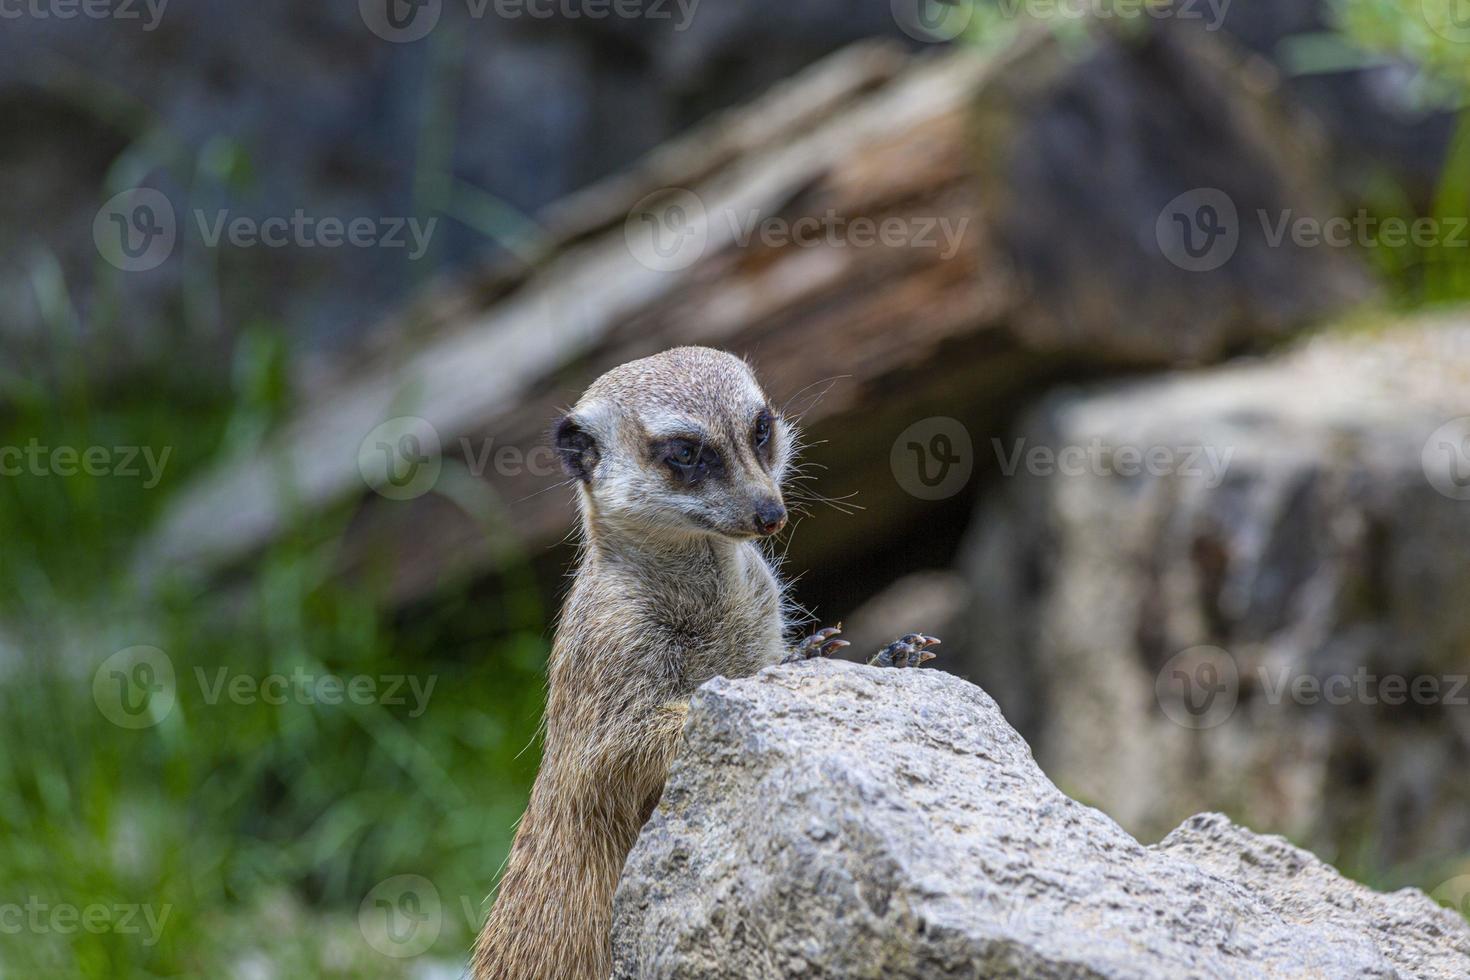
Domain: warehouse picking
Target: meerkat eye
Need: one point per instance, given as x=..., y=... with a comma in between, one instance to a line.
x=685, y=457
x=761, y=434
x=691, y=460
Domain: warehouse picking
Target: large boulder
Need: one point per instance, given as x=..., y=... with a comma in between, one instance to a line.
x=1243, y=589
x=833, y=820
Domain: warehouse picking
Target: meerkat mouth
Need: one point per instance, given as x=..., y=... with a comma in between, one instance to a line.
x=709, y=525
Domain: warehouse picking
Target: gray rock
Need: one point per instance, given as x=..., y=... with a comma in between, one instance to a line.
x=833, y=820
x=1306, y=543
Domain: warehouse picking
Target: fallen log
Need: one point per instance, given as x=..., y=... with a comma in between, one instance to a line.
x=888, y=238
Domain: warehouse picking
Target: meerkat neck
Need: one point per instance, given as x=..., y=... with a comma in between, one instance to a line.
x=632, y=547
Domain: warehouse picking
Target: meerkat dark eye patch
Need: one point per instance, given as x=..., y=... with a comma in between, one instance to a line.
x=577, y=449
x=689, y=460
x=761, y=432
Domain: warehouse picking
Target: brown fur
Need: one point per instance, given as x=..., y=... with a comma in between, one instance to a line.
x=660, y=604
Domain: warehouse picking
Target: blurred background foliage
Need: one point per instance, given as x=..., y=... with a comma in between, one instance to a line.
x=241, y=820
x=260, y=826
x=1431, y=52
x=1426, y=48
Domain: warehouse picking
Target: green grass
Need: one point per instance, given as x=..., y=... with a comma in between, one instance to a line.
x=249, y=831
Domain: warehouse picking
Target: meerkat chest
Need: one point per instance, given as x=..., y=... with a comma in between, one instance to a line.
x=722, y=619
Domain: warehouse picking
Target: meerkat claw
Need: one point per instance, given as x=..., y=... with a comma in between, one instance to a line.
x=910, y=650
x=822, y=643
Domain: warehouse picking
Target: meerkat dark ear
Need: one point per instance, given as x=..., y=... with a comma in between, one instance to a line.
x=577, y=449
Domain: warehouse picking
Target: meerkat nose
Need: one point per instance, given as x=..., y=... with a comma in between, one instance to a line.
x=770, y=517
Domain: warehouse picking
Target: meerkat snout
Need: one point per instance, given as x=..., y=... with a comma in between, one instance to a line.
x=769, y=517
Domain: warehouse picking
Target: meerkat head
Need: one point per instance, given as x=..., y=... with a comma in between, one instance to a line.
x=678, y=444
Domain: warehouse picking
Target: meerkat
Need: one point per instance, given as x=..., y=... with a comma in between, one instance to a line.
x=678, y=461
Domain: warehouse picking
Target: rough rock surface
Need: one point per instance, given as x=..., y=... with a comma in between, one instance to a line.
x=1303, y=550
x=833, y=820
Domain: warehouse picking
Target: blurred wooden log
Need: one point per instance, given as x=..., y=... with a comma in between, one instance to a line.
x=889, y=332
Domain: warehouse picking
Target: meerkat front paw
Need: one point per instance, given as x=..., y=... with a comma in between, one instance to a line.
x=910, y=650
x=822, y=643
